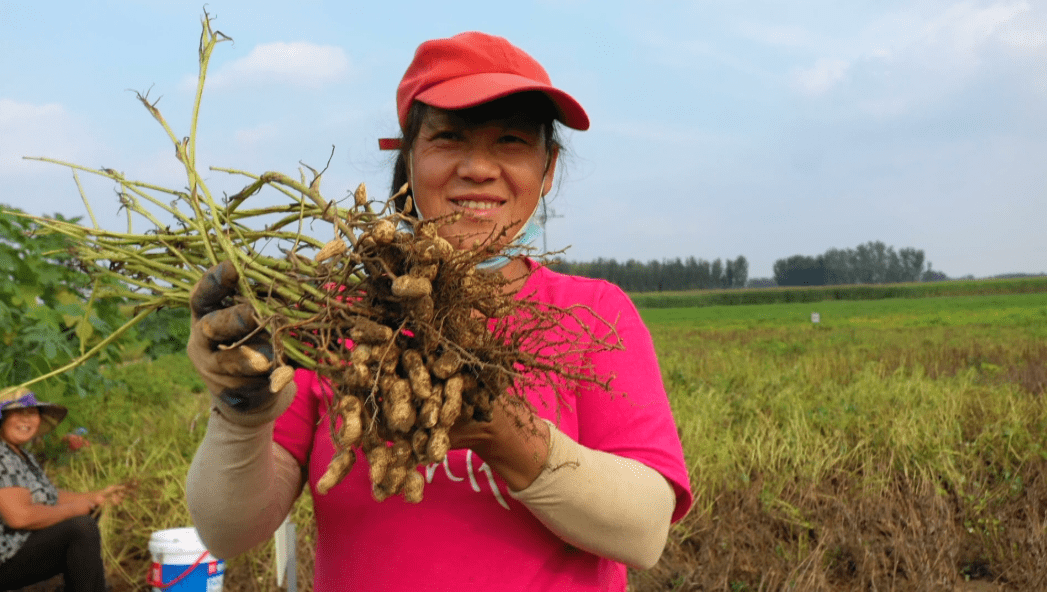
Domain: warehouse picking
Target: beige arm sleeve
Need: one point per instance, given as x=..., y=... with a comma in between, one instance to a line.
x=602, y=503
x=240, y=486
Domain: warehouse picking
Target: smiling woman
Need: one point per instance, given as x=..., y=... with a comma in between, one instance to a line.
x=491, y=165
x=44, y=531
x=479, y=138
x=563, y=492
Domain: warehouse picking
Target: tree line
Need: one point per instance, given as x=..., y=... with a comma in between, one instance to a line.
x=669, y=274
x=870, y=263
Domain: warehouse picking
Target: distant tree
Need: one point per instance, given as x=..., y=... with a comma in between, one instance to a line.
x=668, y=274
x=893, y=272
x=872, y=263
x=716, y=274
x=911, y=264
x=613, y=274
x=931, y=275
x=1014, y=276
x=691, y=270
x=705, y=275
x=839, y=266
x=800, y=270
x=674, y=276
x=761, y=283
x=741, y=272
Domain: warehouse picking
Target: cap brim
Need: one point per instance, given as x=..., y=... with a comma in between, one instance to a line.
x=469, y=91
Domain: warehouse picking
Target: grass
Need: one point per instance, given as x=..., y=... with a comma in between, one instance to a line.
x=897, y=444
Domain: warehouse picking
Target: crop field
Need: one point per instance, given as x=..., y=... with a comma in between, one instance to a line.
x=897, y=444
x=864, y=292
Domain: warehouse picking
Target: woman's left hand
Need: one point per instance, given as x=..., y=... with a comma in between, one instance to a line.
x=112, y=495
x=515, y=443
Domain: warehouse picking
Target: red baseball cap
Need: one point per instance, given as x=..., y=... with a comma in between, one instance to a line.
x=473, y=68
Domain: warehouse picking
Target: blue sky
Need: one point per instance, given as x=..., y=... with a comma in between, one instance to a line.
x=719, y=128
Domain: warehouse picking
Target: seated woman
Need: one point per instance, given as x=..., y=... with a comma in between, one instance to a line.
x=43, y=531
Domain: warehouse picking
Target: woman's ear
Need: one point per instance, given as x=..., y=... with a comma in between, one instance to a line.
x=550, y=172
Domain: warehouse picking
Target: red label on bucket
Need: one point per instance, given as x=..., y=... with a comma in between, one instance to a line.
x=187, y=578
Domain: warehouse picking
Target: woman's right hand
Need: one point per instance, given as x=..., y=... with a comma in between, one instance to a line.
x=230, y=354
x=114, y=494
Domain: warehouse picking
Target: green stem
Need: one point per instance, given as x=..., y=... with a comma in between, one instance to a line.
x=83, y=196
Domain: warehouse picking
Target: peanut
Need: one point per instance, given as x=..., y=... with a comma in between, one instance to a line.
x=280, y=378
x=409, y=286
x=413, y=487
x=339, y=467
x=452, y=405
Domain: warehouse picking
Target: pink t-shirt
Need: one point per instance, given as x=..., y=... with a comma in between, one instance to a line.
x=468, y=533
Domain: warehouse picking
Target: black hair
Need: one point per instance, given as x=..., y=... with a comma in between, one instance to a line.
x=532, y=107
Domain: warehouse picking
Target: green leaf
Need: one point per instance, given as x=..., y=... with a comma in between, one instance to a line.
x=84, y=330
x=44, y=310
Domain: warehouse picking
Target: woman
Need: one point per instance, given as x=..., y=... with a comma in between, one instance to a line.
x=567, y=508
x=44, y=531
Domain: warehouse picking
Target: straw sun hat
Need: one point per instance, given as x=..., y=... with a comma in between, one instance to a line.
x=22, y=398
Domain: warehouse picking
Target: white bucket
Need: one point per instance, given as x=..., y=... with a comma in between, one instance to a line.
x=181, y=563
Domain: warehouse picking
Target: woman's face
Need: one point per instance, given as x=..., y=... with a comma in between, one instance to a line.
x=20, y=425
x=493, y=173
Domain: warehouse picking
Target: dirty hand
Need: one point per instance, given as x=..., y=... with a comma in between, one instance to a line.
x=514, y=443
x=114, y=494
x=237, y=376
x=97, y=499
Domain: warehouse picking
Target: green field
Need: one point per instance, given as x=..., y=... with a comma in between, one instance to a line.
x=863, y=292
x=898, y=444
x=1028, y=310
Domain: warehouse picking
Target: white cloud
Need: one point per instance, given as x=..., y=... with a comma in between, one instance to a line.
x=776, y=34
x=296, y=64
x=12, y=112
x=1026, y=31
x=964, y=28
x=909, y=60
x=254, y=136
x=1024, y=38
x=35, y=130
x=820, y=78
